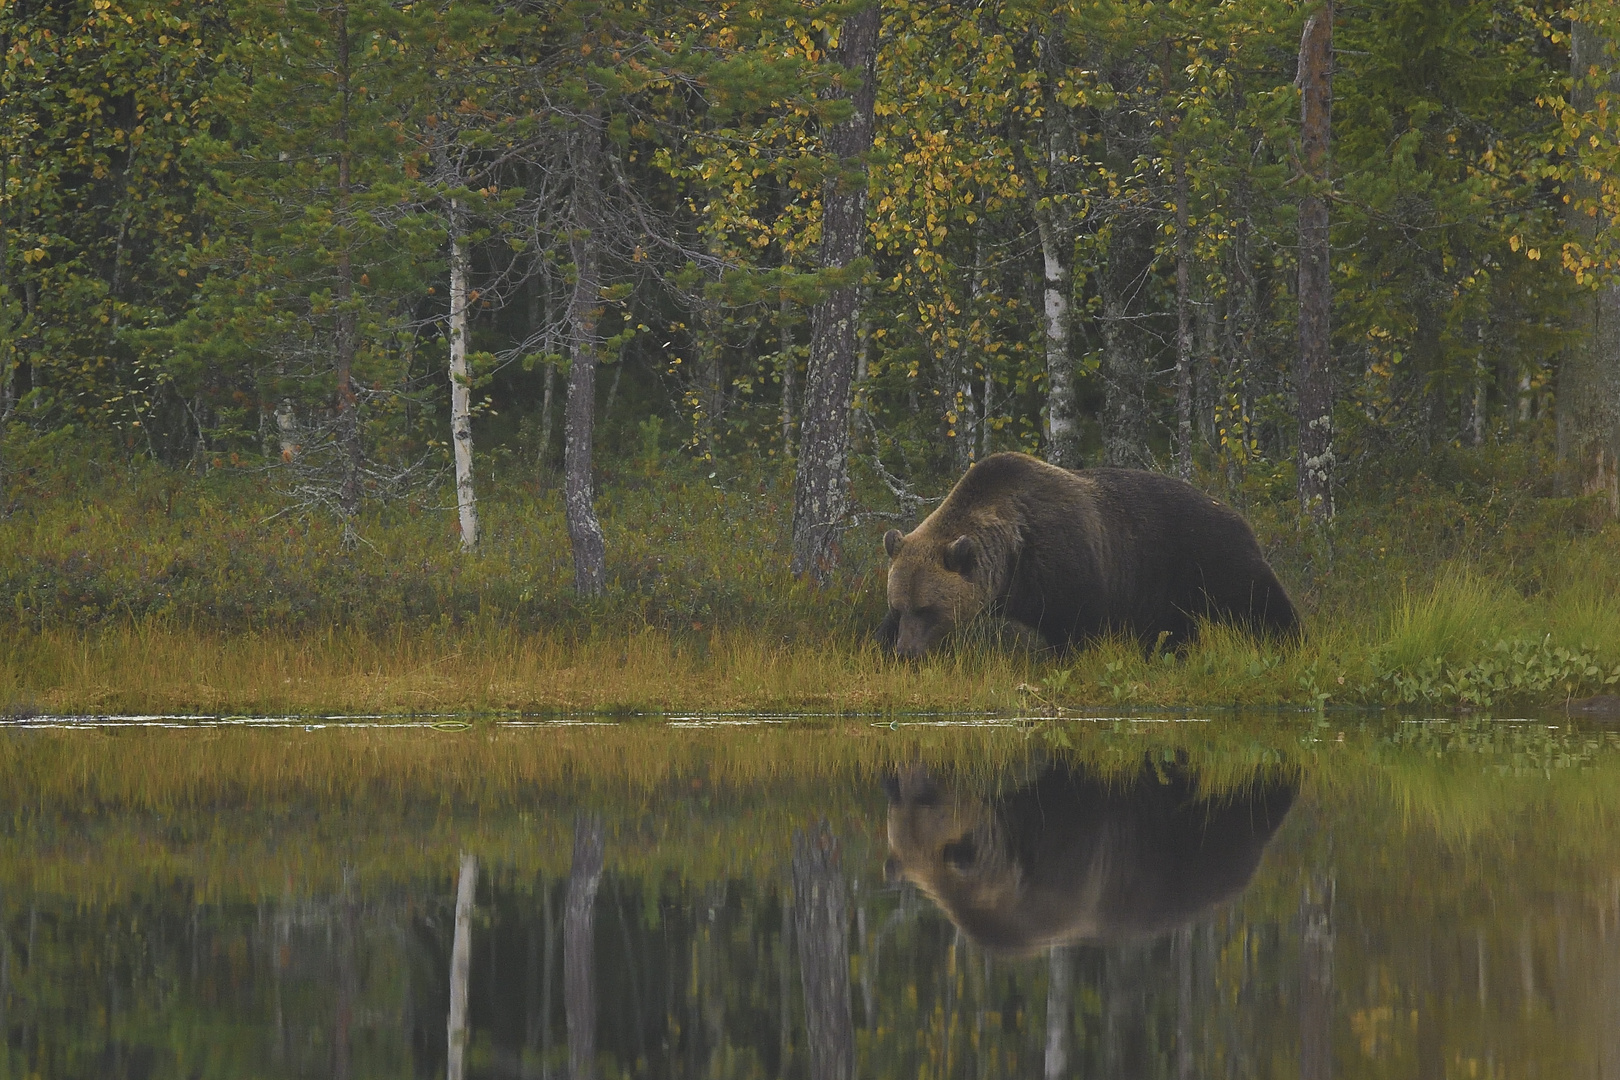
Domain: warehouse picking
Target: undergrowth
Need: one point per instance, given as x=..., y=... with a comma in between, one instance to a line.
x=129, y=586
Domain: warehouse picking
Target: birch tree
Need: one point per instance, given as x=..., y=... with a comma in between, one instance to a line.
x=461, y=380
x=461, y=966
x=1054, y=221
x=1313, y=374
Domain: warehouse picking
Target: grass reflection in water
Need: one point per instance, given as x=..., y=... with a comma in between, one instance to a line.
x=1438, y=899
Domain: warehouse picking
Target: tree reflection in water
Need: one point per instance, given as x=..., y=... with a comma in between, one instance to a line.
x=1429, y=901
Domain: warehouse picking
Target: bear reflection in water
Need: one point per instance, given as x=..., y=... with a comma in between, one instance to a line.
x=1072, y=857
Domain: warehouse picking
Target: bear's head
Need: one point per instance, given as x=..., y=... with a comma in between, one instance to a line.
x=935, y=584
x=952, y=847
x=1073, y=855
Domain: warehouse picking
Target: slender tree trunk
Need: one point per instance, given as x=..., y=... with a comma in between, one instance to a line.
x=869, y=956
x=785, y=990
x=461, y=379
x=1589, y=379
x=5, y=982
x=984, y=416
x=1234, y=433
x=547, y=397
x=1054, y=224
x=965, y=429
x=710, y=389
x=1184, y=324
x=785, y=365
x=461, y=966
x=1182, y=948
x=531, y=980
x=1124, y=369
x=346, y=344
x=579, y=953
x=10, y=346
x=821, y=925
x=585, y=533
x=1316, y=979
x=549, y=961
x=1608, y=975
x=1059, y=1010
x=820, y=489
x=1313, y=375
x=1116, y=986
x=1206, y=364
x=536, y=285
x=1061, y=427
x=348, y=982
x=287, y=429
x=974, y=415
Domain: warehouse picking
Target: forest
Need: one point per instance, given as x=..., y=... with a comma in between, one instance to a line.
x=342, y=317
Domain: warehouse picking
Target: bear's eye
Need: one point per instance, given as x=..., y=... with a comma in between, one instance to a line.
x=960, y=854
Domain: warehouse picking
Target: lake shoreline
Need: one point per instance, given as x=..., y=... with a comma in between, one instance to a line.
x=150, y=668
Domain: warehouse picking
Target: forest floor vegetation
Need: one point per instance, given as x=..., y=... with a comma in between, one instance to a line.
x=129, y=586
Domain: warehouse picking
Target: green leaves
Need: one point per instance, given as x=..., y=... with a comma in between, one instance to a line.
x=1509, y=672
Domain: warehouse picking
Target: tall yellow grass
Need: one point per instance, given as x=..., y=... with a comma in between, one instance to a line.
x=1456, y=620
x=489, y=669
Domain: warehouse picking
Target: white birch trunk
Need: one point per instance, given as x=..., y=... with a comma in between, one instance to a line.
x=1060, y=422
x=460, y=965
x=1059, y=1002
x=460, y=380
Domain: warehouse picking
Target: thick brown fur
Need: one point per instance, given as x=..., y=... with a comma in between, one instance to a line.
x=1071, y=857
x=1077, y=555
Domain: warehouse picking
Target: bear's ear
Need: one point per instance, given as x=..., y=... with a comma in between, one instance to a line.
x=891, y=542
x=959, y=556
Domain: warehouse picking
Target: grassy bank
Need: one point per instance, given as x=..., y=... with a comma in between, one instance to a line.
x=127, y=586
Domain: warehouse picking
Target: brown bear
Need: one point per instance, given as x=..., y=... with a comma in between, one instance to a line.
x=1076, y=555
x=1072, y=856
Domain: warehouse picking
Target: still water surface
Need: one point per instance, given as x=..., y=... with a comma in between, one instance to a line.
x=1251, y=896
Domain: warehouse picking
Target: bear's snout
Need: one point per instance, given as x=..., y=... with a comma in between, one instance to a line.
x=917, y=635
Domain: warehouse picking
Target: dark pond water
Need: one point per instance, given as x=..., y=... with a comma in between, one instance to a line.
x=717, y=897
